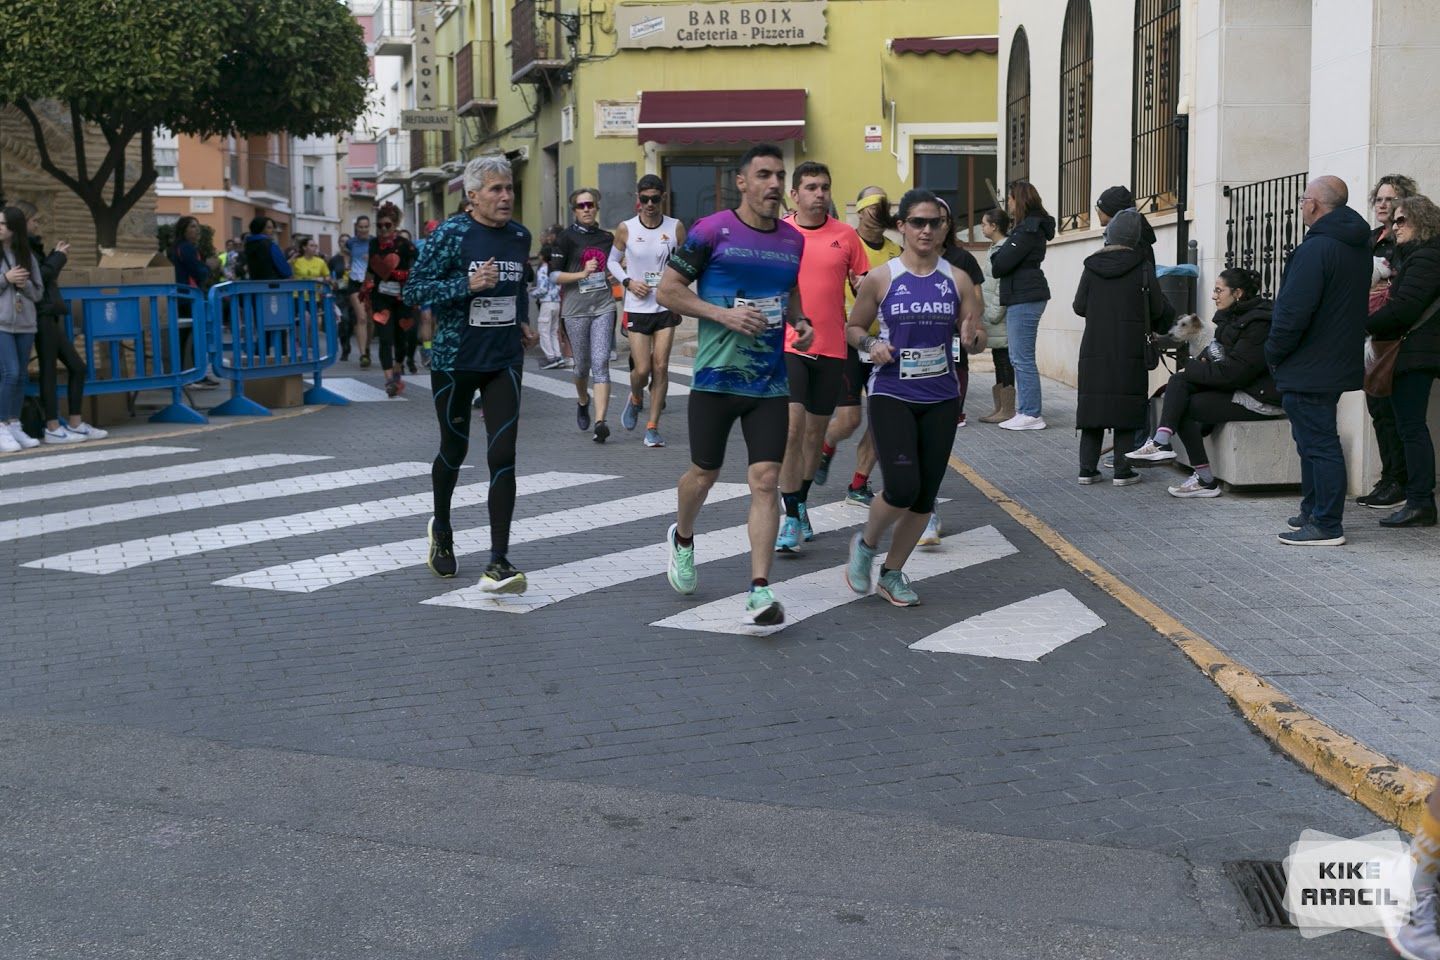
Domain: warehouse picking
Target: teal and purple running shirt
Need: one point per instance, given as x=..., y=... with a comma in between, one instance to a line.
x=732, y=260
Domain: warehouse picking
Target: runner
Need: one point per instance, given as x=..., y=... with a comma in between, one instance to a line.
x=391, y=257
x=914, y=393
x=587, y=306
x=646, y=242
x=834, y=259
x=472, y=273
x=746, y=265
x=358, y=249
x=873, y=208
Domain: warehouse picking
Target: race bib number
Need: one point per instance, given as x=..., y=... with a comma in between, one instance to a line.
x=390, y=288
x=492, y=312
x=652, y=279
x=593, y=282
x=919, y=363
x=955, y=346
x=772, y=307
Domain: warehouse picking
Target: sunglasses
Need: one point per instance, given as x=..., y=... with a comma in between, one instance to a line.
x=585, y=205
x=920, y=223
x=651, y=198
x=385, y=224
x=1399, y=220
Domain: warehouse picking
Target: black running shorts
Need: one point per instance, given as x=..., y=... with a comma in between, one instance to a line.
x=764, y=420
x=815, y=382
x=646, y=324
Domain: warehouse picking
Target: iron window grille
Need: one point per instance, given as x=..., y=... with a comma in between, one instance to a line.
x=1017, y=110
x=1077, y=75
x=1154, y=152
x=1264, y=227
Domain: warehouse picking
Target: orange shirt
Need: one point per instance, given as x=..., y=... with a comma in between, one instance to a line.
x=833, y=251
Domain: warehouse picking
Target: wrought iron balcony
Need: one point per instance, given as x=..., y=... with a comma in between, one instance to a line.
x=1265, y=227
x=537, y=41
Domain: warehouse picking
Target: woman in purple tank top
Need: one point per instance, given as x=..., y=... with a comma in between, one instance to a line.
x=914, y=395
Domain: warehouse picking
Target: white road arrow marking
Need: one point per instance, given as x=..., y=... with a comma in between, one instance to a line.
x=1025, y=630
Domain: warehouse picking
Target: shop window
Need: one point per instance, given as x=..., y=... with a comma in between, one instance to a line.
x=700, y=186
x=963, y=174
x=1017, y=110
x=1076, y=92
x=1154, y=150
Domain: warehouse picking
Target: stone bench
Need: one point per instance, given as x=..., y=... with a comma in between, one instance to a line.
x=1250, y=453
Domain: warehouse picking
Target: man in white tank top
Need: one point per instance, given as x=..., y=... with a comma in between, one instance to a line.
x=642, y=245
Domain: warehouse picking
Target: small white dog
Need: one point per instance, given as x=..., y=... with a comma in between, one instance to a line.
x=1191, y=330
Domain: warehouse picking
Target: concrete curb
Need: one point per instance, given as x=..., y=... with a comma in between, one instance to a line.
x=144, y=437
x=1391, y=790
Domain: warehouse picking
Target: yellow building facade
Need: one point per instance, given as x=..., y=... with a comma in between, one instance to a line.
x=596, y=93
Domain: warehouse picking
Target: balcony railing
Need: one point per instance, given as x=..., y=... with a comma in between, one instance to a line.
x=394, y=28
x=475, y=78
x=392, y=157
x=1265, y=227
x=430, y=150
x=536, y=42
x=268, y=177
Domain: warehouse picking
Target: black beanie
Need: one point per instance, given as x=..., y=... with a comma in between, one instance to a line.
x=1115, y=199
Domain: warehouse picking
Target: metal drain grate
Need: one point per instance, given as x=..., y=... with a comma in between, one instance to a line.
x=1262, y=886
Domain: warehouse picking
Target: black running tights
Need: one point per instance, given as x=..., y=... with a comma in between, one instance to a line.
x=454, y=392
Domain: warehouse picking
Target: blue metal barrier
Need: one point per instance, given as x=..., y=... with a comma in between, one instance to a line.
x=276, y=328
x=136, y=330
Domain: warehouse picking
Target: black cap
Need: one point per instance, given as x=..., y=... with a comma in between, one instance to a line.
x=1115, y=199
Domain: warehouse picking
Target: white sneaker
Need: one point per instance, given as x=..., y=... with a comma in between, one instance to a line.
x=61, y=435
x=21, y=437
x=1420, y=938
x=1152, y=452
x=1023, y=421
x=1195, y=487
x=8, y=443
x=88, y=432
x=931, y=536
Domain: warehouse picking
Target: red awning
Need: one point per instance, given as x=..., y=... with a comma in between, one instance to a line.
x=721, y=116
x=945, y=45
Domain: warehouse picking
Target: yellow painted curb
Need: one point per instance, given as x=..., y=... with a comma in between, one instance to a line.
x=1390, y=790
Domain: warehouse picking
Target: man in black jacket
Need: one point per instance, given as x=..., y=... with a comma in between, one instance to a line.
x=1316, y=350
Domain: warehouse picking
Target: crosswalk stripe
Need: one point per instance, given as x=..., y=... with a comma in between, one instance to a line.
x=554, y=584
x=1025, y=630
x=824, y=590
x=621, y=375
x=356, y=391
x=113, y=557
x=60, y=521
x=317, y=573
x=145, y=478
x=14, y=468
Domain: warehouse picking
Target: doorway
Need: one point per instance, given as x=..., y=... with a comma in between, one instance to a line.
x=700, y=186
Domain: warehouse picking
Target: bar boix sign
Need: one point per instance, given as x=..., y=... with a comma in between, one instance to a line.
x=641, y=26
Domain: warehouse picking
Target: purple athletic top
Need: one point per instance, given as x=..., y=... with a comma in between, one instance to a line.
x=918, y=318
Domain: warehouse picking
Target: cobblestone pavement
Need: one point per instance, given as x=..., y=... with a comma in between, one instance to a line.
x=286, y=606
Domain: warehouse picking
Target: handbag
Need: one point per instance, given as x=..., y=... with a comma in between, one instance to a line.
x=1380, y=356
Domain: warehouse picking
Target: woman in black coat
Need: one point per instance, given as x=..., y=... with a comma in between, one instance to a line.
x=1413, y=290
x=1121, y=303
x=1228, y=381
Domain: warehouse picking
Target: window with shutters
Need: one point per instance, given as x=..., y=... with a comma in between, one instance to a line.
x=1154, y=151
x=1077, y=77
x=1017, y=110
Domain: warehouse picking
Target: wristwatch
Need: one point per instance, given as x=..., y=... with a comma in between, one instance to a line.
x=869, y=343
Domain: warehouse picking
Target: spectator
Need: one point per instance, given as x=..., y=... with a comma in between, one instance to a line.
x=233, y=263
x=1408, y=315
x=310, y=265
x=1316, y=351
x=1228, y=381
x=21, y=288
x=264, y=260
x=1112, y=201
x=547, y=294
x=358, y=250
x=995, y=225
x=1024, y=293
x=1390, y=488
x=190, y=271
x=1121, y=303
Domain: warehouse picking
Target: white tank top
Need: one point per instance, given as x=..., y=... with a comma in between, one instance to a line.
x=646, y=251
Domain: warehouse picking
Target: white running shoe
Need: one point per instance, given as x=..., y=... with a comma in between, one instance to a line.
x=1195, y=487
x=8, y=443
x=93, y=433
x=1022, y=421
x=21, y=437
x=61, y=435
x=931, y=536
x=1420, y=938
x=1152, y=452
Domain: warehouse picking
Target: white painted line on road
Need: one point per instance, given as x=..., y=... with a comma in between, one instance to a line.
x=114, y=557
x=556, y=388
x=317, y=573
x=824, y=590
x=200, y=499
x=579, y=577
x=145, y=478
x=1025, y=630
x=621, y=376
x=356, y=391
x=13, y=468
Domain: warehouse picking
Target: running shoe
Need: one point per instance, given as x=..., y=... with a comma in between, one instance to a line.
x=861, y=496
x=555, y=363
x=630, y=416
x=582, y=416
x=500, y=577
x=391, y=389
x=859, y=574
x=895, y=587
x=807, y=532
x=822, y=472
x=931, y=536
x=1312, y=536
x=788, y=540
x=1420, y=938
x=1152, y=452
x=8, y=443
x=1195, y=487
x=1023, y=421
x=61, y=435
x=680, y=569
x=441, y=559
x=653, y=438
x=21, y=437
x=960, y=420
x=364, y=360
x=602, y=432
x=762, y=608
x=93, y=433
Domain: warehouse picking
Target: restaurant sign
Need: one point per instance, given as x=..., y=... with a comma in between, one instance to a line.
x=644, y=26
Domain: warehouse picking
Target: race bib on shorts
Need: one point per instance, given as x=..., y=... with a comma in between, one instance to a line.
x=492, y=312
x=772, y=307
x=593, y=282
x=390, y=288
x=920, y=363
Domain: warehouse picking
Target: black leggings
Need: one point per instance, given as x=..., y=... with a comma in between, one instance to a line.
x=50, y=344
x=1191, y=411
x=1004, y=369
x=395, y=342
x=1091, y=439
x=913, y=442
x=454, y=391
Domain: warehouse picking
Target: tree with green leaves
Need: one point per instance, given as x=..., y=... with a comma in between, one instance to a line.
x=202, y=67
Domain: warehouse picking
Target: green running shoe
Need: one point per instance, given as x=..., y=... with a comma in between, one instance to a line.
x=763, y=609
x=681, y=568
x=895, y=587
x=860, y=497
x=500, y=577
x=862, y=560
